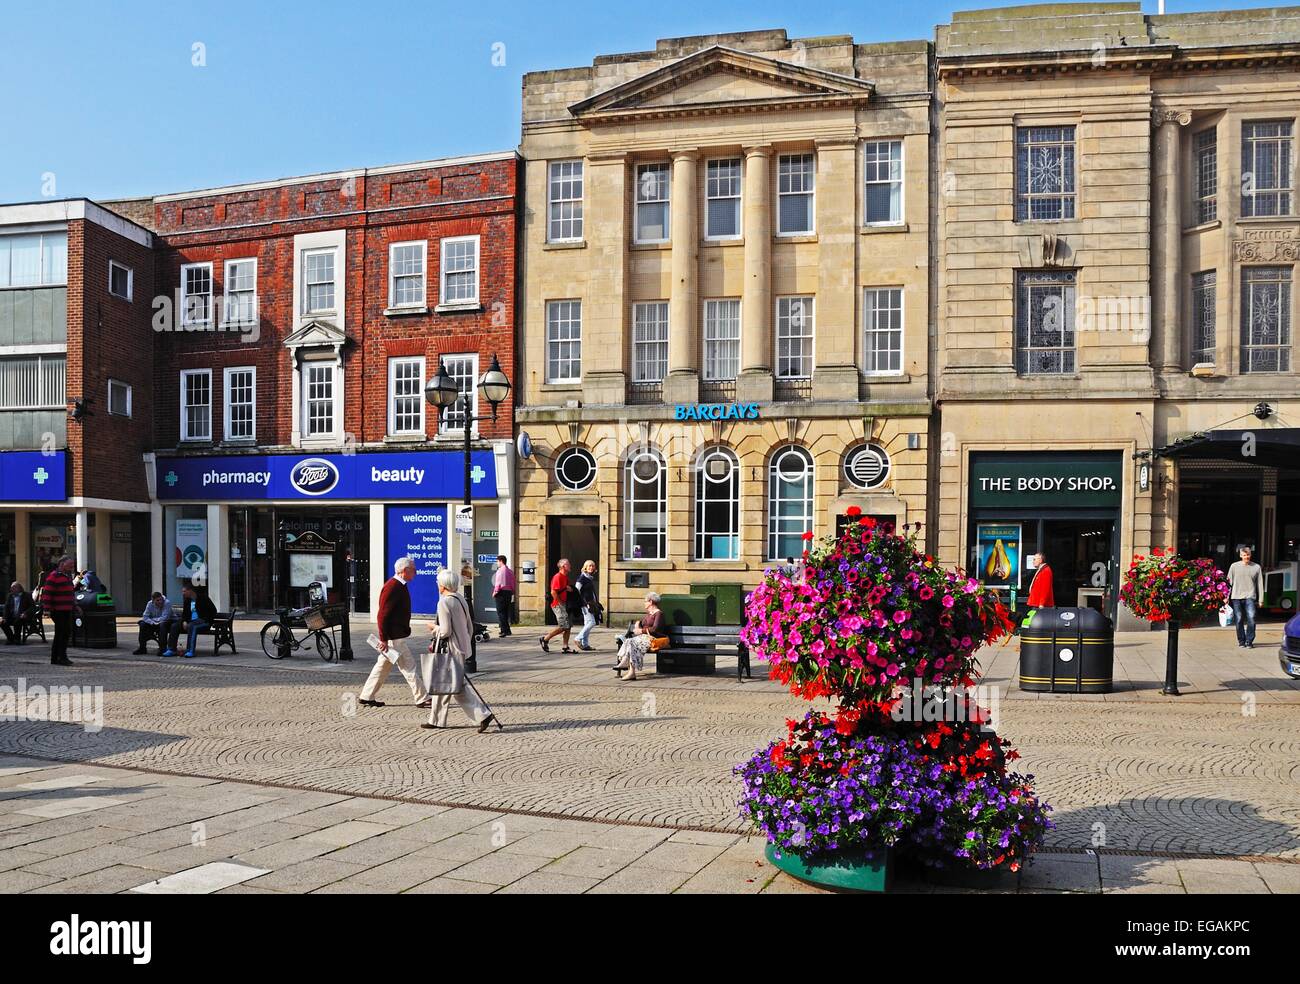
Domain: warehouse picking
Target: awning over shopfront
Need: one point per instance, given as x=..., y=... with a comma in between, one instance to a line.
x=1272, y=447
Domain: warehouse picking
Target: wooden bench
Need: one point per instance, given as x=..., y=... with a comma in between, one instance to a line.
x=694, y=649
x=222, y=630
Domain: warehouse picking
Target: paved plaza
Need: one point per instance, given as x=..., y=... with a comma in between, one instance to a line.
x=237, y=773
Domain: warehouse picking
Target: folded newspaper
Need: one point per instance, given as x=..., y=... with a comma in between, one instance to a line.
x=389, y=654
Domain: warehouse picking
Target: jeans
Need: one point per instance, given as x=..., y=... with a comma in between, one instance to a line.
x=588, y=623
x=193, y=630
x=1244, y=610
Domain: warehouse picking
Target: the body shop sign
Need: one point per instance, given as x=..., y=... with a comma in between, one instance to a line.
x=1079, y=479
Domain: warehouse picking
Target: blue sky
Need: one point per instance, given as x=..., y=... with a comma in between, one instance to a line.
x=104, y=96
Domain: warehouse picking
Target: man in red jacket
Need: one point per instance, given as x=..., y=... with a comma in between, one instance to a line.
x=1040, y=589
x=394, y=621
x=58, y=602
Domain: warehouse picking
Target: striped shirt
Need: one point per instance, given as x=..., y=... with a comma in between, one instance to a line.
x=56, y=595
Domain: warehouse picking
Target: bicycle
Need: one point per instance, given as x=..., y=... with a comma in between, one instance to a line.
x=279, y=640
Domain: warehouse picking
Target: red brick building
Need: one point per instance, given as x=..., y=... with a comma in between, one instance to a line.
x=295, y=324
x=76, y=385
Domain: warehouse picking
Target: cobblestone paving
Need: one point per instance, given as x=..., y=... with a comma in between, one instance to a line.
x=1212, y=773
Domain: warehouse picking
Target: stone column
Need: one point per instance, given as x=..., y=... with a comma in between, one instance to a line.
x=1166, y=240
x=836, y=375
x=755, y=382
x=83, y=538
x=604, y=311
x=683, y=382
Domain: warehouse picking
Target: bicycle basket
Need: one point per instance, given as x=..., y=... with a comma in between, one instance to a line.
x=316, y=619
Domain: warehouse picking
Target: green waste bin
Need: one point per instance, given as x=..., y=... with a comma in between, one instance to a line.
x=689, y=609
x=730, y=599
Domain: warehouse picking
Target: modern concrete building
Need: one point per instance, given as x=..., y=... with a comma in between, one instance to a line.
x=724, y=333
x=1118, y=238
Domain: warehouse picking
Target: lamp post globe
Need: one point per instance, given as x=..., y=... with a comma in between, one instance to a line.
x=494, y=385
x=441, y=391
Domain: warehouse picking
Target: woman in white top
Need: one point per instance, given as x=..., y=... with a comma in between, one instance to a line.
x=444, y=672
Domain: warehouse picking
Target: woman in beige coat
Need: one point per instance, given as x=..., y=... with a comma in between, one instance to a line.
x=444, y=672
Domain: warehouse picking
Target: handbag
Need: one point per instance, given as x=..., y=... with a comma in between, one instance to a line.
x=443, y=673
x=658, y=643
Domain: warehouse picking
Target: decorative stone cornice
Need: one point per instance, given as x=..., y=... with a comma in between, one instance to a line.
x=1267, y=246
x=1161, y=116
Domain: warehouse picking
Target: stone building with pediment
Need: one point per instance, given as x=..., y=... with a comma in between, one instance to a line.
x=1118, y=236
x=724, y=339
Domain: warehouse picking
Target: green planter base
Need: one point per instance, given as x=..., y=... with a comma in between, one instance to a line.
x=850, y=871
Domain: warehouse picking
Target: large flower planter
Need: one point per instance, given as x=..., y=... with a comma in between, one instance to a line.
x=848, y=871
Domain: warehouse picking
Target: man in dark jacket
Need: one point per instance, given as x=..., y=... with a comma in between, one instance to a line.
x=394, y=621
x=197, y=612
x=59, y=603
x=17, y=611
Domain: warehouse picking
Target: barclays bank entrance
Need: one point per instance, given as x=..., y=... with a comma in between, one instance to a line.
x=257, y=530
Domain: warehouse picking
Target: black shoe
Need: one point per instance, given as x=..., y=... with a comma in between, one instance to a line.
x=61, y=662
x=371, y=703
x=546, y=646
x=139, y=652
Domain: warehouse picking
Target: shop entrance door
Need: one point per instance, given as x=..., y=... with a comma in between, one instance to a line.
x=1081, y=555
x=574, y=537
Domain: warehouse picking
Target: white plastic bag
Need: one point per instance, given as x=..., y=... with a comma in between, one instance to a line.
x=1227, y=616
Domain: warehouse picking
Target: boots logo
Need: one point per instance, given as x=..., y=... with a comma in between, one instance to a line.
x=314, y=476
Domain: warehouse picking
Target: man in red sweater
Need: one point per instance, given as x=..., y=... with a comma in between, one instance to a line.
x=1040, y=589
x=58, y=602
x=394, y=621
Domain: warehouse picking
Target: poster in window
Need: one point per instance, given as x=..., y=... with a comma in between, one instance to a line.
x=998, y=554
x=191, y=548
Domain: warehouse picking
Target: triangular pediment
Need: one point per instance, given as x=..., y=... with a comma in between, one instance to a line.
x=316, y=333
x=720, y=79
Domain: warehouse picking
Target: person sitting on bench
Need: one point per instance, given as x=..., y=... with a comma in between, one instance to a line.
x=155, y=622
x=197, y=612
x=17, y=612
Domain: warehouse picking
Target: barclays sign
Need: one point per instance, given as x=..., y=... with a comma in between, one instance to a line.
x=716, y=411
x=315, y=476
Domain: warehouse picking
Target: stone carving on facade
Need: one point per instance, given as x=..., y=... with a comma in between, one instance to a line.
x=1267, y=246
x=1180, y=116
x=1046, y=250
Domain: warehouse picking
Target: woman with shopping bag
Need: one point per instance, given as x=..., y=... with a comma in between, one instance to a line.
x=444, y=666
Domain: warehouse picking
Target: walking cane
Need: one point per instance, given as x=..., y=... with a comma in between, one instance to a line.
x=470, y=684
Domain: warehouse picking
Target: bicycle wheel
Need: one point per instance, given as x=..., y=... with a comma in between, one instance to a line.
x=325, y=646
x=276, y=640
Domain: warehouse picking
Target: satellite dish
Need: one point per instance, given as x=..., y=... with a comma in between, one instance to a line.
x=524, y=445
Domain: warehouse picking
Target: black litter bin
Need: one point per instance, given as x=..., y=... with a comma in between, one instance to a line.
x=1067, y=650
x=96, y=626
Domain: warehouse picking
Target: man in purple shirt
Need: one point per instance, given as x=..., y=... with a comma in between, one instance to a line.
x=503, y=592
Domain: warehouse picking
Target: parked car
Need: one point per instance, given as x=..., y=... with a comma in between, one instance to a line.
x=1289, y=654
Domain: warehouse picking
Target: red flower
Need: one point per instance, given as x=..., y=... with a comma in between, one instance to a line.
x=852, y=511
x=808, y=535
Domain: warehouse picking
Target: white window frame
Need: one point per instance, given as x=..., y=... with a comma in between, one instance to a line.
x=472, y=409
x=639, y=344
x=810, y=311
x=130, y=280
x=124, y=385
x=811, y=193
x=868, y=330
x=186, y=374
x=474, y=301
x=304, y=411
x=808, y=512
x=901, y=182
x=706, y=371
x=423, y=301
x=46, y=277
x=703, y=484
x=307, y=309
x=186, y=295
x=227, y=277
x=227, y=404
x=393, y=363
x=552, y=202
x=738, y=198
x=34, y=381
x=658, y=502
x=571, y=339
x=666, y=201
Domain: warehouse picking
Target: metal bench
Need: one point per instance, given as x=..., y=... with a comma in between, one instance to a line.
x=34, y=624
x=694, y=650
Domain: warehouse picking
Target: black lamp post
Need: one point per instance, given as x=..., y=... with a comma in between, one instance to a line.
x=442, y=392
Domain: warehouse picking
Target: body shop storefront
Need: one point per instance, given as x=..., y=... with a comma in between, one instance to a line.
x=1065, y=505
x=258, y=529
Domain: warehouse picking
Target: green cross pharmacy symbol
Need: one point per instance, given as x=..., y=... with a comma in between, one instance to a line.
x=40, y=475
x=476, y=475
x=171, y=478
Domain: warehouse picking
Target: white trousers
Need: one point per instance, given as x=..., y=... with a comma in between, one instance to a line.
x=469, y=702
x=405, y=662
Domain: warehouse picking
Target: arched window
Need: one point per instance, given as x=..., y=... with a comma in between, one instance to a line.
x=645, y=506
x=789, y=502
x=717, y=505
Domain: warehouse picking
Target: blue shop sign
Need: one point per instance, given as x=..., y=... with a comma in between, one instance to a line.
x=33, y=476
x=716, y=411
x=418, y=531
x=424, y=475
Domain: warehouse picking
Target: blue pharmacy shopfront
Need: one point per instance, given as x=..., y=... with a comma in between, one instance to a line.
x=259, y=528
